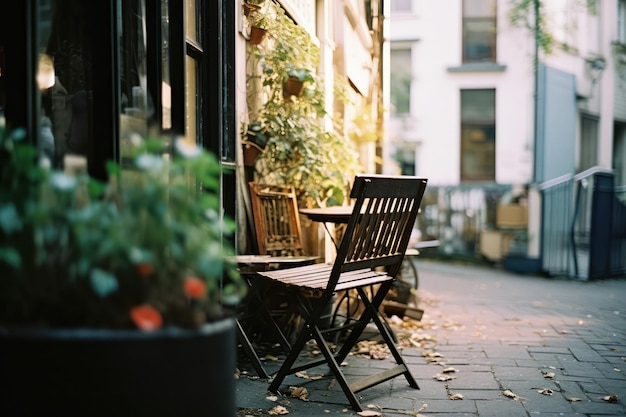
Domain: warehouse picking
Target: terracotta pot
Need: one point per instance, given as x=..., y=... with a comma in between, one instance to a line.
x=251, y=151
x=100, y=372
x=256, y=35
x=292, y=87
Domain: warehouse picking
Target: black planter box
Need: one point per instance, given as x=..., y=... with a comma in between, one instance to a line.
x=85, y=372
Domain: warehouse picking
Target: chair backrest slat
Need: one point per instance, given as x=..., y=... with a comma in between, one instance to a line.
x=380, y=227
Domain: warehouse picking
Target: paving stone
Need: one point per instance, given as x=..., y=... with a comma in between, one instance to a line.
x=599, y=407
x=500, y=408
x=536, y=402
x=587, y=355
x=496, y=352
x=473, y=380
x=516, y=373
x=479, y=394
x=582, y=369
x=450, y=406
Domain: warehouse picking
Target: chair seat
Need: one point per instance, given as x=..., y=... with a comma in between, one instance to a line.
x=314, y=278
x=249, y=264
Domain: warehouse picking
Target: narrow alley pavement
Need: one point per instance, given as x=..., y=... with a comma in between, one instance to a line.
x=490, y=344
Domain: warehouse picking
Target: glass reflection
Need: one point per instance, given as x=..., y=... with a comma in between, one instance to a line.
x=65, y=80
x=136, y=104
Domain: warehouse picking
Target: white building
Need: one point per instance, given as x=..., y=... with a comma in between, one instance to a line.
x=464, y=92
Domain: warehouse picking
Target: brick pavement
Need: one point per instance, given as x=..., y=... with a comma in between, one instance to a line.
x=491, y=332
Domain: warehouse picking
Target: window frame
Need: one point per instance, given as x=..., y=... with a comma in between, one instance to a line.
x=483, y=125
x=466, y=21
x=589, y=139
x=394, y=110
x=621, y=21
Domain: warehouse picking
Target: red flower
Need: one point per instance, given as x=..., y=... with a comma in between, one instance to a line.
x=146, y=317
x=194, y=287
x=144, y=269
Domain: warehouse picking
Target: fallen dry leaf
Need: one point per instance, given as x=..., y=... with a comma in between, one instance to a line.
x=269, y=357
x=610, y=398
x=278, y=410
x=574, y=399
x=305, y=375
x=272, y=398
x=299, y=392
x=449, y=370
x=443, y=377
x=369, y=413
x=510, y=394
x=545, y=391
x=456, y=396
x=548, y=374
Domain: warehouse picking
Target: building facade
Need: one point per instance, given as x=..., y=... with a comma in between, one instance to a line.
x=494, y=111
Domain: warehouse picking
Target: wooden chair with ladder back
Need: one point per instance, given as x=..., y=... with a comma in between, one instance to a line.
x=278, y=236
x=369, y=256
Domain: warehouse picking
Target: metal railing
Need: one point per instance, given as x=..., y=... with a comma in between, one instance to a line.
x=584, y=225
x=557, y=213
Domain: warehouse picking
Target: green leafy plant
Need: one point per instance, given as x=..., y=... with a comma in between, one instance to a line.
x=146, y=250
x=258, y=19
x=531, y=15
x=305, y=146
x=302, y=74
x=256, y=135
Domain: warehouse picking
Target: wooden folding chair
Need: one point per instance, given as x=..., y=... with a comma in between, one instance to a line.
x=369, y=257
x=278, y=236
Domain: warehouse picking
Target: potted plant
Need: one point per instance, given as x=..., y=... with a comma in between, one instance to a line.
x=255, y=142
x=258, y=25
x=296, y=77
x=250, y=6
x=114, y=296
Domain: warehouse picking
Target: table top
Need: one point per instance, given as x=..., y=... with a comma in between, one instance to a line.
x=333, y=214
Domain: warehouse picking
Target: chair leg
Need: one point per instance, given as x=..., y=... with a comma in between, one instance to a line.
x=287, y=367
x=336, y=370
x=371, y=313
x=292, y=356
x=250, y=352
x=261, y=292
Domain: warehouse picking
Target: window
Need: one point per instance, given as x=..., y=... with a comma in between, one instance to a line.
x=405, y=157
x=400, y=5
x=478, y=135
x=621, y=21
x=588, y=142
x=400, y=81
x=479, y=31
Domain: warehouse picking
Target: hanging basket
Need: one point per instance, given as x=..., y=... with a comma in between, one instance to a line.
x=292, y=87
x=256, y=35
x=251, y=151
